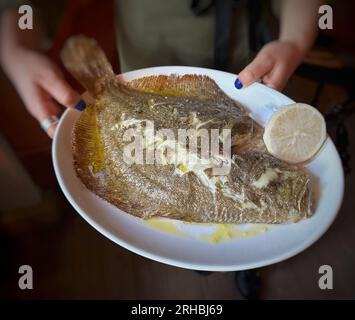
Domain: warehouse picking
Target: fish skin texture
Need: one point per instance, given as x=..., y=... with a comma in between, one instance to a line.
x=155, y=189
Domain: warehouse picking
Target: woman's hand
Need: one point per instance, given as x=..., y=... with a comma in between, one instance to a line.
x=38, y=80
x=40, y=84
x=273, y=65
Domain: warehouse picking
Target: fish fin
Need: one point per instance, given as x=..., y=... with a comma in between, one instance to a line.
x=87, y=147
x=87, y=62
x=190, y=85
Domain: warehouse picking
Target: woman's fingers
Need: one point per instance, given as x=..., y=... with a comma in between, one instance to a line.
x=274, y=64
x=52, y=80
x=254, y=71
x=278, y=77
x=42, y=87
x=51, y=130
x=47, y=108
x=41, y=105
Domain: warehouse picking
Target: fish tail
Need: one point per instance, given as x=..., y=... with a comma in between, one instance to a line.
x=87, y=62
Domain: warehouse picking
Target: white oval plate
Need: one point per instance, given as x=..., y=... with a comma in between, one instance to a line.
x=278, y=243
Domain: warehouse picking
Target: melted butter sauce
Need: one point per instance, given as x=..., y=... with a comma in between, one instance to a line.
x=221, y=232
x=225, y=232
x=165, y=226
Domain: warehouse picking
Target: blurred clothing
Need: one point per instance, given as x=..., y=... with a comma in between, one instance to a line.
x=161, y=32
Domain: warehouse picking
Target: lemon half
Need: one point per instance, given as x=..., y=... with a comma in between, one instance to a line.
x=295, y=133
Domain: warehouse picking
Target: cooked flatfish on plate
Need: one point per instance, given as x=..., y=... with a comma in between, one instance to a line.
x=258, y=188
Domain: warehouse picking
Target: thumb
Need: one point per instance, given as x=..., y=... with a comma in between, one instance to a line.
x=254, y=71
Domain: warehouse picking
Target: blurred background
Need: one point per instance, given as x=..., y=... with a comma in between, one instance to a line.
x=71, y=260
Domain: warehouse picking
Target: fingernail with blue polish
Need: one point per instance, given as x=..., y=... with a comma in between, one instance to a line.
x=238, y=84
x=81, y=105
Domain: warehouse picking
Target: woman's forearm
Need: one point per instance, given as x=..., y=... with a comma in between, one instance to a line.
x=299, y=22
x=13, y=39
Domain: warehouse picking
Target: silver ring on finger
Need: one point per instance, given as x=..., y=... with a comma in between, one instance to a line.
x=48, y=122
